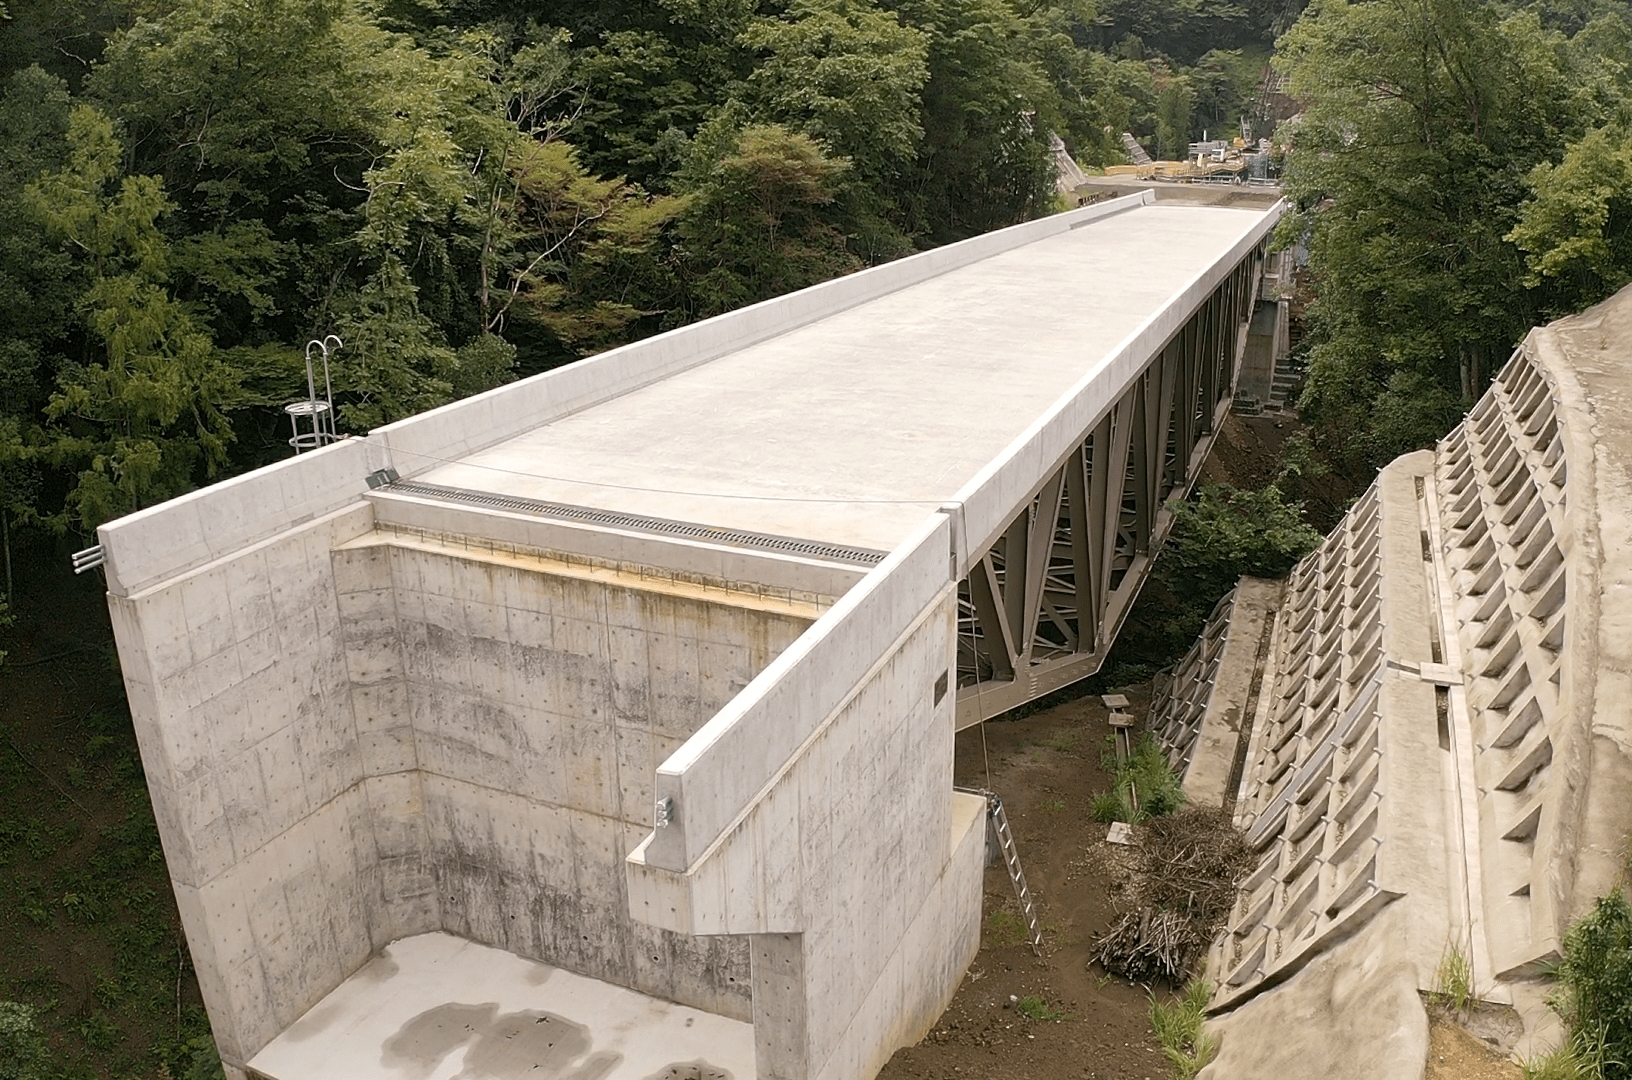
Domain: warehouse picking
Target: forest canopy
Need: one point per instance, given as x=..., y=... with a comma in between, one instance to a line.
x=467, y=191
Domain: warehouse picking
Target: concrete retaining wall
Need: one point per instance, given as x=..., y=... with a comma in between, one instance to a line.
x=535, y=700
x=353, y=736
x=817, y=813
x=239, y=690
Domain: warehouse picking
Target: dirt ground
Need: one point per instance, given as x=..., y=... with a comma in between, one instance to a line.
x=1047, y=769
x=1454, y=1054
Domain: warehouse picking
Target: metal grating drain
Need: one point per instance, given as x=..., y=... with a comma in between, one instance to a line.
x=785, y=545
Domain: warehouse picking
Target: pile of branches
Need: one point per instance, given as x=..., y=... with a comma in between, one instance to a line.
x=1148, y=944
x=1184, y=868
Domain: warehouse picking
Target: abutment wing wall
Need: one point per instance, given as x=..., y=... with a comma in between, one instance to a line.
x=239, y=688
x=819, y=816
x=534, y=701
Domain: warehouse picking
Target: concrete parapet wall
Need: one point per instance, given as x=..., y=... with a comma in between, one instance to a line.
x=986, y=503
x=718, y=774
x=161, y=542
x=151, y=545
x=421, y=442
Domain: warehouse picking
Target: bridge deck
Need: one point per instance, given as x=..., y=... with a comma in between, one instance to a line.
x=850, y=429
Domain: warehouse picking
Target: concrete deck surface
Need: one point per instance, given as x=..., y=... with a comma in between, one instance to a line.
x=851, y=429
x=437, y=1007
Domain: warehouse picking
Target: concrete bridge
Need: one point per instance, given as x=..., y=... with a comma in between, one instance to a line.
x=602, y=723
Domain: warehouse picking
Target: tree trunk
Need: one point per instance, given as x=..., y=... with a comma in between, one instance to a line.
x=5, y=542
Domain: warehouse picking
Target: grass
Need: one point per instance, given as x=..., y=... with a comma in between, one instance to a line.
x=1177, y=1025
x=1033, y=1007
x=1571, y=1061
x=1004, y=928
x=1453, y=982
x=1146, y=772
x=1053, y=806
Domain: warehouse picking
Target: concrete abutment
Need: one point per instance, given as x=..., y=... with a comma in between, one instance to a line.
x=627, y=693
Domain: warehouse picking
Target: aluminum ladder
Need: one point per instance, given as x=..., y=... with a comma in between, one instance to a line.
x=1011, y=859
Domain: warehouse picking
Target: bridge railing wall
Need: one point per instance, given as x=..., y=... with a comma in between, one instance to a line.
x=739, y=755
x=184, y=533
x=988, y=500
x=463, y=427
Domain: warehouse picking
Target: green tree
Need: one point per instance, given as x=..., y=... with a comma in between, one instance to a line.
x=37, y=288
x=1175, y=110
x=655, y=72
x=143, y=420
x=987, y=106
x=1096, y=95
x=575, y=254
x=1407, y=171
x=849, y=76
x=844, y=73
x=23, y=1052
x=1576, y=227
x=1227, y=532
x=754, y=227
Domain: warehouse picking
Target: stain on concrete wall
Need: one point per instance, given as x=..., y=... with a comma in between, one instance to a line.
x=532, y=707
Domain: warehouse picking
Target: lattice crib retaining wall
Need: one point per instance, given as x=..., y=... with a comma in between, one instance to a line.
x=1340, y=799
x=1502, y=483
x=1177, y=708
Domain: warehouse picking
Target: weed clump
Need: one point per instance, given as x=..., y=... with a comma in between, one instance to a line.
x=1145, y=785
x=1004, y=928
x=1033, y=1007
x=1178, y=1028
x=1594, y=997
x=1453, y=982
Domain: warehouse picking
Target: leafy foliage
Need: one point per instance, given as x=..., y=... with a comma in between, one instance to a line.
x=1408, y=169
x=753, y=227
x=23, y=1052
x=1145, y=786
x=1227, y=532
x=139, y=419
x=1595, y=987
x=1576, y=229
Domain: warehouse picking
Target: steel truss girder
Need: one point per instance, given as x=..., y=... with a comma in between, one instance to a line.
x=1042, y=605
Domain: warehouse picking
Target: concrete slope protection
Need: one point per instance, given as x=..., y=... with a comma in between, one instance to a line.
x=646, y=670
x=1435, y=759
